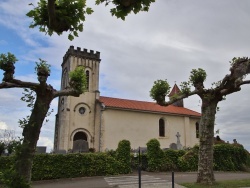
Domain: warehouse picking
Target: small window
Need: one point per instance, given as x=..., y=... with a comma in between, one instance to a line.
x=65, y=79
x=87, y=80
x=82, y=110
x=161, y=128
x=197, y=129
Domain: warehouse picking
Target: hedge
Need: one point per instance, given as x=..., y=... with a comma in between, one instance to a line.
x=227, y=157
x=56, y=166
x=123, y=156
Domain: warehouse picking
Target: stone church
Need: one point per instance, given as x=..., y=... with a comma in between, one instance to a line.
x=103, y=121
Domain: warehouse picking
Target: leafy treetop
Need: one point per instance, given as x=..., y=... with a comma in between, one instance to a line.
x=231, y=83
x=67, y=15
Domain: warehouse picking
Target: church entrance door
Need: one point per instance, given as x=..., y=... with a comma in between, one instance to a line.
x=80, y=142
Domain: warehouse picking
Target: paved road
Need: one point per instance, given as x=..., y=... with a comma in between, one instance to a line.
x=149, y=180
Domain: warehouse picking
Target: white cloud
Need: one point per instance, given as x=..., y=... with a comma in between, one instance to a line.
x=3, y=125
x=45, y=141
x=165, y=43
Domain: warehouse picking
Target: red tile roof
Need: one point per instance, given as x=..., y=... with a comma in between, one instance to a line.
x=146, y=106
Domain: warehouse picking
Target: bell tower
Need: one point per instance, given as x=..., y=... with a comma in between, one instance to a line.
x=76, y=116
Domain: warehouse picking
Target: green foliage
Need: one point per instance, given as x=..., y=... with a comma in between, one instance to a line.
x=235, y=60
x=6, y=60
x=155, y=155
x=185, y=87
x=197, y=76
x=28, y=97
x=12, y=146
x=125, y=7
x=8, y=176
x=135, y=161
x=2, y=147
x=42, y=67
x=229, y=157
x=189, y=161
x=111, y=153
x=78, y=80
x=123, y=155
x=248, y=161
x=172, y=157
x=74, y=165
x=56, y=166
x=159, y=90
x=68, y=16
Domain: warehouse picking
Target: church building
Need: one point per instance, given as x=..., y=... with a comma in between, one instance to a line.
x=103, y=121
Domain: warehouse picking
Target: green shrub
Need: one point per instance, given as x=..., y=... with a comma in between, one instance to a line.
x=58, y=166
x=155, y=155
x=2, y=147
x=189, y=161
x=111, y=153
x=123, y=155
x=135, y=161
x=229, y=157
x=172, y=156
x=248, y=160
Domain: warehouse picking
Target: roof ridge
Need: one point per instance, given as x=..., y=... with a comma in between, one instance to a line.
x=128, y=99
x=145, y=106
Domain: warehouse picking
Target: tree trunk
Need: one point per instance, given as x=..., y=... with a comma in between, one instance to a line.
x=31, y=132
x=205, y=165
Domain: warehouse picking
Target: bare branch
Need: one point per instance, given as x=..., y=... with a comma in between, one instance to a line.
x=66, y=92
x=244, y=82
x=18, y=84
x=177, y=98
x=231, y=82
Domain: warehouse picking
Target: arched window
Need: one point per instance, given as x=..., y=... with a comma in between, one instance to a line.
x=161, y=127
x=80, y=136
x=197, y=129
x=87, y=79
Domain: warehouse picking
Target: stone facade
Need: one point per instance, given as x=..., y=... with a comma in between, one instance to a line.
x=102, y=124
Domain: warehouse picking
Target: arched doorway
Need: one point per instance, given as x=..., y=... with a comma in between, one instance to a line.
x=80, y=136
x=80, y=142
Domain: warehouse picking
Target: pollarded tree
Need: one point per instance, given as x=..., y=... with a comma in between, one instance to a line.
x=210, y=98
x=67, y=15
x=40, y=104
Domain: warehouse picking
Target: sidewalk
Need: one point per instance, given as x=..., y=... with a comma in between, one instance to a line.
x=168, y=185
x=99, y=182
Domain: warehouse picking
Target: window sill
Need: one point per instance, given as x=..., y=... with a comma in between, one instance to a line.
x=163, y=137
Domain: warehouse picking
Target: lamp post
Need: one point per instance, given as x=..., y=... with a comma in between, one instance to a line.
x=139, y=168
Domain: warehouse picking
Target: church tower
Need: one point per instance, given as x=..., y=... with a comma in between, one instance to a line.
x=173, y=92
x=76, y=117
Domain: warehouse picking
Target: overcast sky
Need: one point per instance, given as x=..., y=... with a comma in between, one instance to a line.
x=167, y=42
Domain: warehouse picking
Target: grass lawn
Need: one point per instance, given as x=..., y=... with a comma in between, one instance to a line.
x=221, y=184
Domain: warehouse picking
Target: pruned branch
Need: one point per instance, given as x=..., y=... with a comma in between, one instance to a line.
x=177, y=98
x=66, y=92
x=244, y=82
x=19, y=84
x=231, y=82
